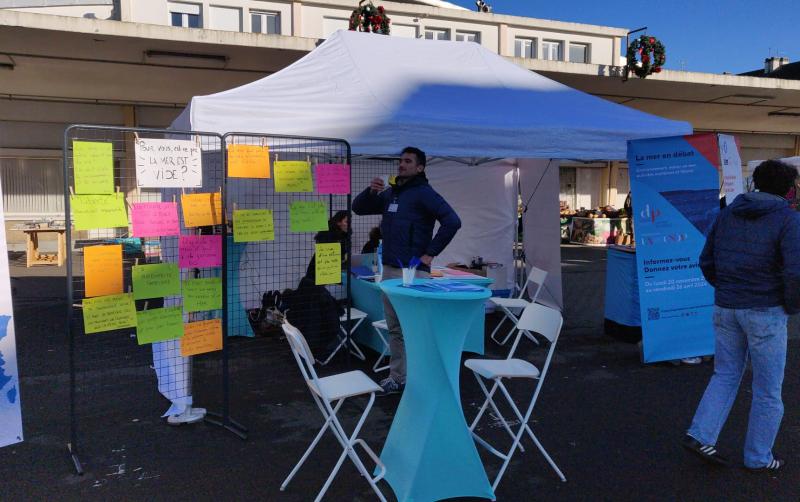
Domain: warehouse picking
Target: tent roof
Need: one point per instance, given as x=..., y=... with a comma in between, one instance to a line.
x=452, y=99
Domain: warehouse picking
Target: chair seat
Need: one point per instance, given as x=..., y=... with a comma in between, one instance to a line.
x=381, y=325
x=355, y=315
x=510, y=303
x=502, y=368
x=352, y=383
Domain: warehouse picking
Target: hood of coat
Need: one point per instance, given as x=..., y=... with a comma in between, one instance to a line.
x=754, y=205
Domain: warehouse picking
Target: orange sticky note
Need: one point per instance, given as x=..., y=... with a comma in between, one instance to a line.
x=102, y=266
x=248, y=161
x=201, y=209
x=201, y=337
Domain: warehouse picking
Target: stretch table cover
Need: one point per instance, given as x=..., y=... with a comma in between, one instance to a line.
x=429, y=453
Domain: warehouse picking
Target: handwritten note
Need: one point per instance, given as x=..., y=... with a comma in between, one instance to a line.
x=248, y=161
x=200, y=251
x=293, y=176
x=156, y=280
x=102, y=268
x=202, y=209
x=94, y=167
x=305, y=216
x=333, y=178
x=250, y=225
x=168, y=163
x=202, y=294
x=328, y=263
x=159, y=325
x=201, y=337
x=155, y=219
x=98, y=211
x=106, y=313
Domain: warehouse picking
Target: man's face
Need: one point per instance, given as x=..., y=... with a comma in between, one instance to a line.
x=408, y=166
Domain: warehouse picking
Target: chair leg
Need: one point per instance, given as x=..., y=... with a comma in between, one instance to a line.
x=376, y=367
x=505, y=316
x=333, y=353
x=514, y=320
x=490, y=402
x=355, y=350
x=311, y=447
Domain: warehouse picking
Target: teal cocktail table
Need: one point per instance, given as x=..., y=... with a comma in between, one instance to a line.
x=429, y=453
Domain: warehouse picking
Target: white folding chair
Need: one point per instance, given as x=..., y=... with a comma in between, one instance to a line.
x=380, y=327
x=535, y=318
x=512, y=307
x=357, y=317
x=330, y=393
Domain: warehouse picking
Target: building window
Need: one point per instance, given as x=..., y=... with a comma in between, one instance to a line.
x=225, y=18
x=468, y=36
x=266, y=22
x=184, y=15
x=436, y=34
x=525, y=48
x=579, y=53
x=552, y=50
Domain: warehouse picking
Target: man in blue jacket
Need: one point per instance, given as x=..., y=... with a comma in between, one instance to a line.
x=752, y=258
x=410, y=209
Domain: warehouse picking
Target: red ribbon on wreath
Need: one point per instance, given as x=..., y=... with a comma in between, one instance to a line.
x=652, y=56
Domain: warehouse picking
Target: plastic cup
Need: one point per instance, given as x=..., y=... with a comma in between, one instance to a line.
x=408, y=276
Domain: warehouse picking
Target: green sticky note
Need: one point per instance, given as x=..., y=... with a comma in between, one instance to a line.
x=202, y=294
x=156, y=280
x=159, y=325
x=253, y=225
x=293, y=176
x=308, y=216
x=328, y=260
x=106, y=313
x=94, y=167
x=98, y=211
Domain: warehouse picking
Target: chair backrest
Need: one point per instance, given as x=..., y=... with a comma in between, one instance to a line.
x=537, y=277
x=301, y=350
x=541, y=319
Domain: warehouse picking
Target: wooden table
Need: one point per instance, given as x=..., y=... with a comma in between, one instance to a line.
x=32, y=246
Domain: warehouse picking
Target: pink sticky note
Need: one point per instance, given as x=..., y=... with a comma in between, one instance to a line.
x=199, y=251
x=155, y=219
x=333, y=179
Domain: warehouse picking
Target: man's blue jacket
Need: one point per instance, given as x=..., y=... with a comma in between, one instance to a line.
x=410, y=212
x=752, y=254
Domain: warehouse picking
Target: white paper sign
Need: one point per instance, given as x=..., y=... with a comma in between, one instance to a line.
x=10, y=410
x=732, y=182
x=168, y=163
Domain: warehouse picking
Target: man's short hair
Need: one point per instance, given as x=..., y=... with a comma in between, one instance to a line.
x=419, y=154
x=775, y=177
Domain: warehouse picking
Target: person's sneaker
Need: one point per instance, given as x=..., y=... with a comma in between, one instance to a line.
x=773, y=466
x=707, y=452
x=389, y=386
x=692, y=360
x=189, y=416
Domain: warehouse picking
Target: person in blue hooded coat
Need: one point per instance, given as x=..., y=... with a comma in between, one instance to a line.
x=752, y=259
x=410, y=209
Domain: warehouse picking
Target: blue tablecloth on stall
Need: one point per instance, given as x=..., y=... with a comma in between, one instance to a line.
x=622, y=288
x=429, y=453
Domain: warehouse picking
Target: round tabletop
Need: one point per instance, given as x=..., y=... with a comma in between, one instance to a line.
x=395, y=287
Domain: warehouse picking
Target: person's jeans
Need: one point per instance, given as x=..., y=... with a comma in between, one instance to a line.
x=760, y=335
x=397, y=363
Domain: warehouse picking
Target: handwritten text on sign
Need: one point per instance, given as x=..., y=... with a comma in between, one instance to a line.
x=251, y=225
x=202, y=294
x=201, y=336
x=200, y=251
x=328, y=263
x=155, y=219
x=168, y=163
x=248, y=161
x=293, y=176
x=333, y=179
x=94, y=167
x=308, y=216
x=155, y=280
x=106, y=313
x=159, y=325
x=202, y=209
x=98, y=211
x=102, y=267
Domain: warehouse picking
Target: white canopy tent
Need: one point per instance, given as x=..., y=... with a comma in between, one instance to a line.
x=458, y=102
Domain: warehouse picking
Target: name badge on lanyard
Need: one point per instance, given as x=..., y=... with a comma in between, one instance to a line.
x=392, y=207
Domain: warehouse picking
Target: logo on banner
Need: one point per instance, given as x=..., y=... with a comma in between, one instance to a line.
x=650, y=214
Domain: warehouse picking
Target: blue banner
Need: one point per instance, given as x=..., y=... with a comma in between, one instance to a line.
x=675, y=192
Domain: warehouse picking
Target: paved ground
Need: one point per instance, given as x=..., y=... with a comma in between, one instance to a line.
x=611, y=423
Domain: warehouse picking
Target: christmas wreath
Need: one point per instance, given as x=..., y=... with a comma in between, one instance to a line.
x=370, y=19
x=651, y=56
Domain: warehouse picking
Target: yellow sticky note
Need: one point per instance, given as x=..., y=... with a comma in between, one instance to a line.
x=250, y=225
x=106, y=313
x=102, y=267
x=248, y=161
x=293, y=176
x=94, y=167
x=328, y=263
x=159, y=325
x=201, y=209
x=201, y=336
x=98, y=211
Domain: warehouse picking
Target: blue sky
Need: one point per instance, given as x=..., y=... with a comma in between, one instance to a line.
x=701, y=35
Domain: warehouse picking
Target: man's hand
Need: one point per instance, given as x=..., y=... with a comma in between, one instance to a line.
x=376, y=185
x=426, y=260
